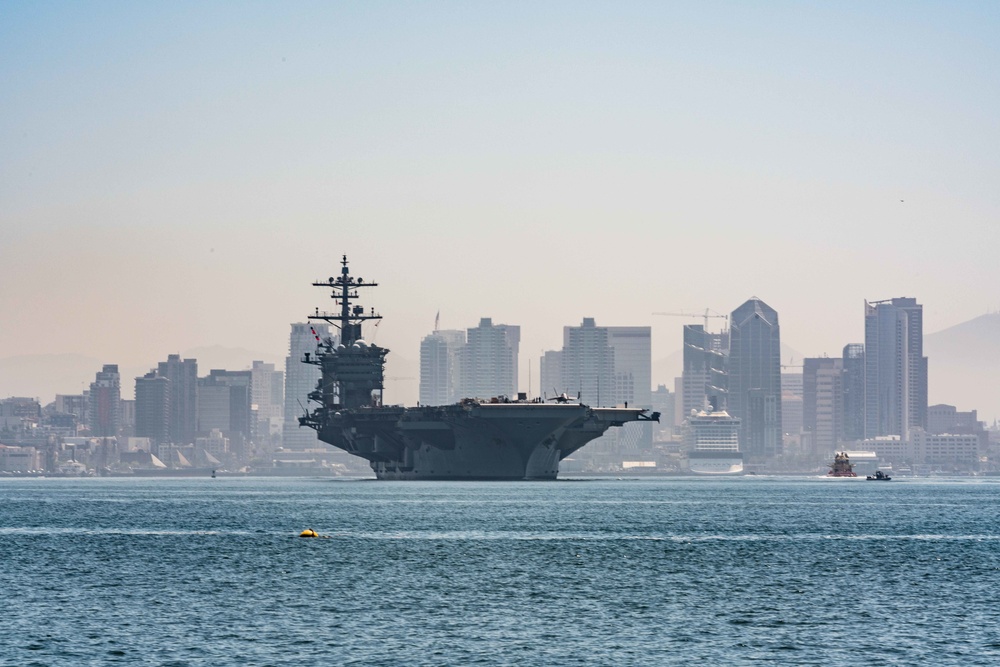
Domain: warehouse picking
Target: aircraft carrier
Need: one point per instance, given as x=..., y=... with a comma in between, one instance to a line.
x=498, y=438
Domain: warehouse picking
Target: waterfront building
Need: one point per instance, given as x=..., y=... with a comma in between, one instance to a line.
x=889, y=448
x=488, y=365
x=152, y=408
x=755, y=378
x=945, y=449
x=823, y=403
x=183, y=377
x=19, y=459
x=935, y=450
x=300, y=379
x=895, y=368
x=104, y=402
x=440, y=367
x=853, y=363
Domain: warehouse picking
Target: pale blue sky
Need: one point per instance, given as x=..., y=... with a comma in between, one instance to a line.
x=174, y=174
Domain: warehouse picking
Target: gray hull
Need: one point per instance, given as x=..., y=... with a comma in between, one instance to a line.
x=472, y=441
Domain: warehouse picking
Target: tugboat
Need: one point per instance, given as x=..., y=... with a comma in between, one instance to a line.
x=879, y=476
x=841, y=467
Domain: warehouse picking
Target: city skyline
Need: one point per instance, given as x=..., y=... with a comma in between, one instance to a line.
x=665, y=369
x=235, y=409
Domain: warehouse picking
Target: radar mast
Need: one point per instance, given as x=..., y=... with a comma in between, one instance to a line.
x=345, y=290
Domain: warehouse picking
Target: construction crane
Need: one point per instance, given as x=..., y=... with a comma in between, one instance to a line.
x=707, y=314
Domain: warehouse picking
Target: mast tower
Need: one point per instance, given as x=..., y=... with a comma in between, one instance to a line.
x=354, y=370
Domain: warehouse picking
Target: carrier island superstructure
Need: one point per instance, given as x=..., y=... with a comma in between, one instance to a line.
x=497, y=438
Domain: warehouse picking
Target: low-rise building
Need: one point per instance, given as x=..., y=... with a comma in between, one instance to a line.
x=19, y=459
x=945, y=449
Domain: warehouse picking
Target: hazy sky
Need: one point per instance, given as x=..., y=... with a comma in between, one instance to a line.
x=173, y=175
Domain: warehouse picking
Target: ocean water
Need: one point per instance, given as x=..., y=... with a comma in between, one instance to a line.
x=668, y=571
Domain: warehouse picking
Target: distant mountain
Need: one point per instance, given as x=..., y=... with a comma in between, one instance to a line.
x=963, y=366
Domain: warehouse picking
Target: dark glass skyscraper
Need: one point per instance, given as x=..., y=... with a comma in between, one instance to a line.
x=895, y=368
x=183, y=417
x=755, y=378
x=854, y=391
x=152, y=408
x=105, y=400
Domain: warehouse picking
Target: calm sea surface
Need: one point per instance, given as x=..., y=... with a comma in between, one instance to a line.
x=630, y=572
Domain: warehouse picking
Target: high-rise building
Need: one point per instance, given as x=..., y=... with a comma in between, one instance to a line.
x=823, y=403
x=853, y=362
x=605, y=366
x=126, y=416
x=704, y=381
x=550, y=375
x=632, y=351
x=440, y=367
x=895, y=368
x=489, y=360
x=268, y=389
x=791, y=403
x=631, y=347
x=104, y=400
x=152, y=408
x=224, y=404
x=300, y=380
x=588, y=364
x=755, y=378
x=183, y=376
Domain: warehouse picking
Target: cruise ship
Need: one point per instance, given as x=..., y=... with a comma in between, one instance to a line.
x=713, y=443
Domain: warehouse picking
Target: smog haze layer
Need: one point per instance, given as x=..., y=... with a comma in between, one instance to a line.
x=175, y=175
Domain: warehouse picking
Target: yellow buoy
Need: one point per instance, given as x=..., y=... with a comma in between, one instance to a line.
x=308, y=532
